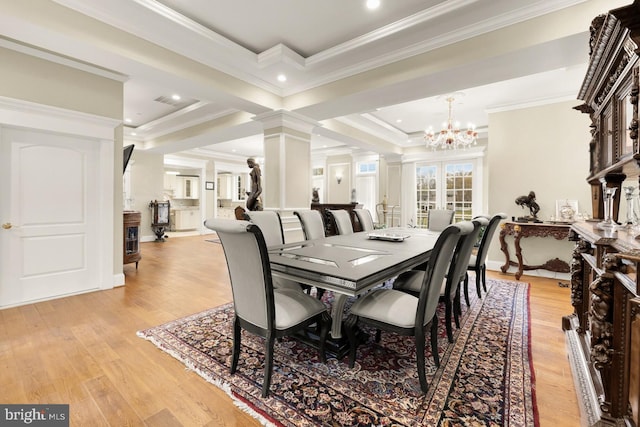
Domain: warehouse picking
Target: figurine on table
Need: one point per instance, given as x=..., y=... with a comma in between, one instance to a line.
x=529, y=201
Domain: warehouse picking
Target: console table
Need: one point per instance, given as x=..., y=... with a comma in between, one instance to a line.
x=532, y=229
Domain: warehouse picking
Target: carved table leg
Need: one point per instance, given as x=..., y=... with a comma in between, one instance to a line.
x=518, y=236
x=504, y=248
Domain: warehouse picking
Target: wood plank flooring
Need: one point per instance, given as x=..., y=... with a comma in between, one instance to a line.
x=83, y=350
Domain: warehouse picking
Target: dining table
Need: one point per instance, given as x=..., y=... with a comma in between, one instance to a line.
x=352, y=264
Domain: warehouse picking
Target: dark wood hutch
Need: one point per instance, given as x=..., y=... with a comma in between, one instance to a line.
x=603, y=332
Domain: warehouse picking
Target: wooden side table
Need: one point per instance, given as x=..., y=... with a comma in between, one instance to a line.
x=531, y=229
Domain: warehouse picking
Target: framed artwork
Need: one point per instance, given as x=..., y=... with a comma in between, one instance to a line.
x=209, y=185
x=566, y=210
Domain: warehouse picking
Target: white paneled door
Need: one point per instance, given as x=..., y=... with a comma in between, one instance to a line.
x=49, y=193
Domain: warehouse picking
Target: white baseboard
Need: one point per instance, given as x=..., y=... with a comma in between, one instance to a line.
x=118, y=279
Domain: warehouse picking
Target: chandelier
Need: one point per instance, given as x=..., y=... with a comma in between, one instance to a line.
x=451, y=136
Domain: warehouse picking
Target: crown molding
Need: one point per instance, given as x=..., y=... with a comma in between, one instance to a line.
x=204, y=45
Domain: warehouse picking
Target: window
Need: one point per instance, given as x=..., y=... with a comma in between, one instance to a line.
x=367, y=167
x=444, y=185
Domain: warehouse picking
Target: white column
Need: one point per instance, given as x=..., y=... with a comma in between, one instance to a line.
x=286, y=183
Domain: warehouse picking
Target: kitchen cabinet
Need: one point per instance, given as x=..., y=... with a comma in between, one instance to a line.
x=186, y=187
x=186, y=219
x=170, y=182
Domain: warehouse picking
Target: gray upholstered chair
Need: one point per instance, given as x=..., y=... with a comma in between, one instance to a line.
x=312, y=224
x=364, y=218
x=341, y=220
x=477, y=261
x=439, y=219
x=271, y=226
x=259, y=308
x=411, y=281
x=313, y=228
x=405, y=314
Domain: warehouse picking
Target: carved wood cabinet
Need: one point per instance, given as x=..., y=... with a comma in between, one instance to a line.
x=131, y=238
x=603, y=332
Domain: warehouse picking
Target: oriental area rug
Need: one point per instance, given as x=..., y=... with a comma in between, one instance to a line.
x=485, y=377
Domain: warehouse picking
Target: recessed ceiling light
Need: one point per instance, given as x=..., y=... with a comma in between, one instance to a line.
x=373, y=4
x=128, y=120
x=233, y=151
x=282, y=78
x=399, y=121
x=175, y=97
x=133, y=134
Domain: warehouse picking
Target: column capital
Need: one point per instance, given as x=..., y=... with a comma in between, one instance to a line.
x=287, y=119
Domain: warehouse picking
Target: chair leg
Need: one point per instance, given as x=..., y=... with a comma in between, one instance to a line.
x=478, y=277
x=484, y=277
x=268, y=364
x=434, y=340
x=447, y=318
x=457, y=309
x=325, y=325
x=235, y=355
x=350, y=325
x=422, y=377
x=378, y=335
x=466, y=289
x=319, y=293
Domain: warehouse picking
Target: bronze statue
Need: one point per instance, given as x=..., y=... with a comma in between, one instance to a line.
x=530, y=202
x=254, y=203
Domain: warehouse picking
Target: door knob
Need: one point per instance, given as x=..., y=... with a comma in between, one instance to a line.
x=6, y=225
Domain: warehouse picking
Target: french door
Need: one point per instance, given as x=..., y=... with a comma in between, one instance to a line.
x=445, y=185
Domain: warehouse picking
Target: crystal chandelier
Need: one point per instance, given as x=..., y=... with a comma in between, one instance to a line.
x=451, y=136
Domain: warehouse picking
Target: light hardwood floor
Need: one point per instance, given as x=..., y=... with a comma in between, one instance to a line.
x=83, y=350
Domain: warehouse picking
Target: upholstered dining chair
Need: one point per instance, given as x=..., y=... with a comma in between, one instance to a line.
x=313, y=228
x=342, y=221
x=364, y=218
x=270, y=225
x=411, y=281
x=439, y=219
x=259, y=308
x=405, y=314
x=312, y=224
x=477, y=261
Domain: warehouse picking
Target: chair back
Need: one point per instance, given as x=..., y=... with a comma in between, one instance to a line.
x=270, y=224
x=489, y=231
x=249, y=270
x=436, y=268
x=312, y=224
x=364, y=218
x=342, y=221
x=462, y=253
x=439, y=219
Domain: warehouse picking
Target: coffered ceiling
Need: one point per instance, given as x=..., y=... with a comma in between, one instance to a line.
x=372, y=80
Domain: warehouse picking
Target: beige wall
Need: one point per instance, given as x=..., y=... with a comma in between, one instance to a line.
x=339, y=193
x=39, y=81
x=147, y=184
x=544, y=149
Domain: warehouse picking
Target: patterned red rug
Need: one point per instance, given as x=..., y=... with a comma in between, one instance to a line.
x=485, y=377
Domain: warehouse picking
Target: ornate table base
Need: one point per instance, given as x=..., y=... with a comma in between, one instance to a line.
x=530, y=229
